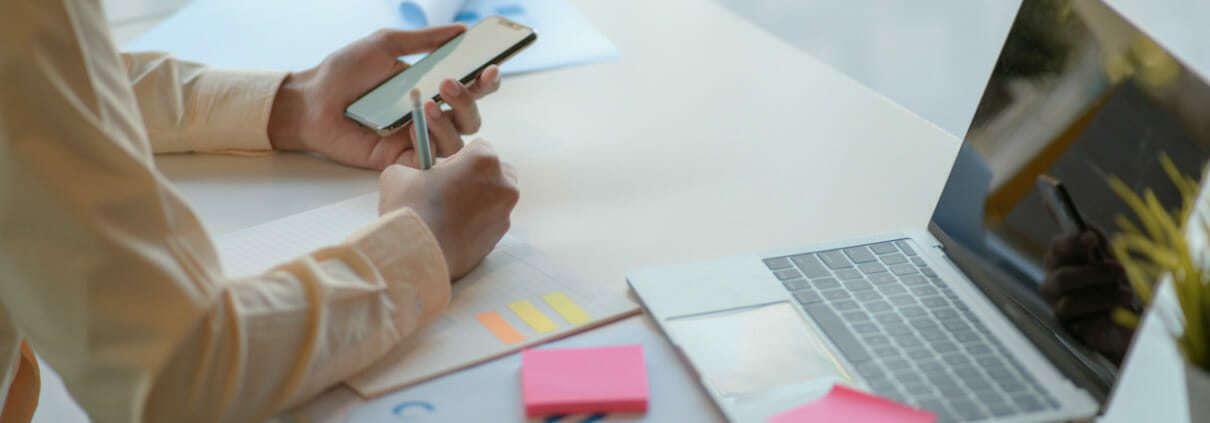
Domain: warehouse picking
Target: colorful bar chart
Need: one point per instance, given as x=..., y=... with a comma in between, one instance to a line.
x=533, y=318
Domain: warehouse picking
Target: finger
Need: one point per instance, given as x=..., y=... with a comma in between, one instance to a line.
x=1072, y=250
x=487, y=83
x=1091, y=302
x=443, y=136
x=464, y=110
x=1065, y=280
x=386, y=151
x=403, y=43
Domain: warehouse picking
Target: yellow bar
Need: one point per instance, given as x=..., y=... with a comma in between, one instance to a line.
x=532, y=316
x=567, y=308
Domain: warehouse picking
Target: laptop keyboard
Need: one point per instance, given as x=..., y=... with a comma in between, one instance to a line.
x=907, y=334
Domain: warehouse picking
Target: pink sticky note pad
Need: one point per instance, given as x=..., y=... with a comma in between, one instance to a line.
x=584, y=380
x=842, y=404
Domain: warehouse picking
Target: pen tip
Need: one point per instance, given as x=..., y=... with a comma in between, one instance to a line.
x=415, y=94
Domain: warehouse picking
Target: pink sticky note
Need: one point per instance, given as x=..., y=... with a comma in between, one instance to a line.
x=584, y=380
x=842, y=404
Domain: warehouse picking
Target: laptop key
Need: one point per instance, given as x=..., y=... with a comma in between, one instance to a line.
x=796, y=284
x=943, y=346
x=967, y=337
x=905, y=247
x=825, y=283
x=930, y=365
x=778, y=263
x=925, y=291
x=885, y=352
x=787, y=274
x=884, y=248
x=846, y=305
x=1000, y=409
x=914, y=280
x=919, y=262
x=884, y=279
x=848, y=274
x=955, y=325
x=878, y=306
x=912, y=311
x=887, y=318
x=904, y=269
x=890, y=290
x=934, y=302
x=902, y=300
x=855, y=316
x=867, y=296
x=893, y=259
x=967, y=410
x=876, y=340
x=1028, y=403
x=908, y=341
x=836, y=294
x=932, y=404
x=864, y=328
x=835, y=259
x=871, y=268
x=857, y=285
x=897, y=330
x=807, y=297
x=810, y=266
x=836, y=331
x=859, y=254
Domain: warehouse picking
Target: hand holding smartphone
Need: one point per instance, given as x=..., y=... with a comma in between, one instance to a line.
x=1063, y=209
x=386, y=108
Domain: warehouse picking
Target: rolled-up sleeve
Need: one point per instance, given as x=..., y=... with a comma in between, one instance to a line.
x=189, y=107
x=108, y=274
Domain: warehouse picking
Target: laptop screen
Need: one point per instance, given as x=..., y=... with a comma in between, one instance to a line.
x=1080, y=94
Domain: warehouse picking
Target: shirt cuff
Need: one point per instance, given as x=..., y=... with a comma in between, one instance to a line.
x=404, y=251
x=231, y=111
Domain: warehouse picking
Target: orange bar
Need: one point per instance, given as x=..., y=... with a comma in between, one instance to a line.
x=495, y=323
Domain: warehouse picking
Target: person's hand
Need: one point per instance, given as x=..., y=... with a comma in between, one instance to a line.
x=308, y=111
x=465, y=200
x=1083, y=291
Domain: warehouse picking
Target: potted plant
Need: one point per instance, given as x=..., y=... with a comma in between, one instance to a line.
x=1156, y=248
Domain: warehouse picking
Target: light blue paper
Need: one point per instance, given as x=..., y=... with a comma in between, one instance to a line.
x=298, y=34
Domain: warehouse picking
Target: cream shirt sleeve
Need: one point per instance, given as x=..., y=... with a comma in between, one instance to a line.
x=108, y=275
x=187, y=106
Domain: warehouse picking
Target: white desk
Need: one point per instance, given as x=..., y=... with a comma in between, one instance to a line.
x=671, y=154
x=676, y=152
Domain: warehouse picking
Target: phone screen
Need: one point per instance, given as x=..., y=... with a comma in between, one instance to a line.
x=466, y=55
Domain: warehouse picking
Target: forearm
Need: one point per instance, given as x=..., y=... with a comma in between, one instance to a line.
x=187, y=106
x=267, y=343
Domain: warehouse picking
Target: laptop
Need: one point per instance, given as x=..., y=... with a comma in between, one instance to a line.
x=947, y=316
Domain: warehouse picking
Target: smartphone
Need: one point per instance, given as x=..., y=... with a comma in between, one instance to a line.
x=1060, y=205
x=493, y=40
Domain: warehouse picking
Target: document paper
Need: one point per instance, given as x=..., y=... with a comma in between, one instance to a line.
x=517, y=297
